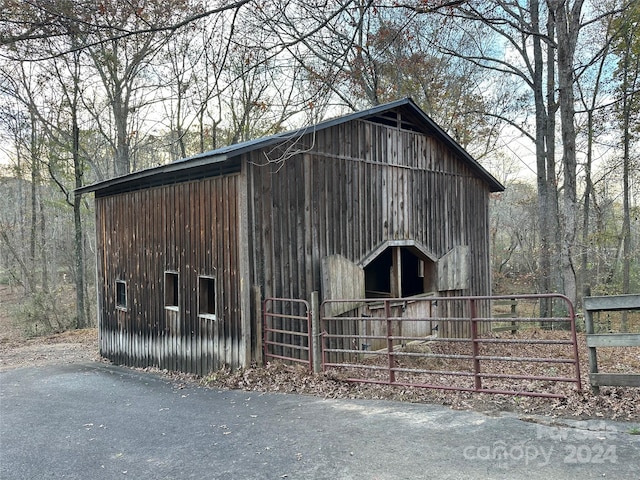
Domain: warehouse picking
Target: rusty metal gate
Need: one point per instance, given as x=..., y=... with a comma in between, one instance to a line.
x=287, y=330
x=516, y=345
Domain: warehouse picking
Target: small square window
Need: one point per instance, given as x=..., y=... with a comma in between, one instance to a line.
x=171, y=290
x=207, y=297
x=121, y=295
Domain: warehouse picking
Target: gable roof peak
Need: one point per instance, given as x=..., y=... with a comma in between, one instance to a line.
x=406, y=115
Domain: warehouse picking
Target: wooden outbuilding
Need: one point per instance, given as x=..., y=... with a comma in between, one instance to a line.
x=183, y=248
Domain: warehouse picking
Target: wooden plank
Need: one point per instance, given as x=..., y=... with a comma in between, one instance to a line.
x=217, y=269
x=244, y=269
x=209, y=268
x=217, y=226
x=308, y=221
x=356, y=175
x=615, y=379
x=265, y=200
x=186, y=278
x=346, y=248
x=506, y=328
x=282, y=249
x=341, y=279
x=234, y=269
x=513, y=302
x=612, y=303
x=613, y=340
x=316, y=219
x=203, y=269
x=453, y=269
x=148, y=245
x=197, y=270
x=229, y=307
x=299, y=286
x=372, y=212
x=173, y=320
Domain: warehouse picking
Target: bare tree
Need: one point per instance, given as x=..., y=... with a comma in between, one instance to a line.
x=29, y=21
x=593, y=79
x=627, y=48
x=528, y=57
x=541, y=39
x=121, y=63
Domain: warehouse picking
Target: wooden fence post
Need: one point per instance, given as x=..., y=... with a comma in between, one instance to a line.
x=593, y=357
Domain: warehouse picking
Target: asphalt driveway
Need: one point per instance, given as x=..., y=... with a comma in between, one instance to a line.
x=96, y=421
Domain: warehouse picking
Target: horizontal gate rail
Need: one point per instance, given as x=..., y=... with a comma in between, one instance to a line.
x=399, y=344
x=609, y=304
x=287, y=334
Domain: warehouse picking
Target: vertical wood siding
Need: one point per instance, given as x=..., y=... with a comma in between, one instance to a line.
x=355, y=186
x=190, y=228
x=359, y=185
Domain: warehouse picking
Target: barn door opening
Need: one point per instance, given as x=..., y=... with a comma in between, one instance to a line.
x=400, y=271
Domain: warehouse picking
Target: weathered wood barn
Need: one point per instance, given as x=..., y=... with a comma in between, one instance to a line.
x=183, y=247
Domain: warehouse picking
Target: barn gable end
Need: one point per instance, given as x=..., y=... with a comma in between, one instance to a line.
x=182, y=246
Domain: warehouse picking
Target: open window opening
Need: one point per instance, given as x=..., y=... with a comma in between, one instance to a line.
x=121, y=295
x=207, y=297
x=171, y=290
x=400, y=272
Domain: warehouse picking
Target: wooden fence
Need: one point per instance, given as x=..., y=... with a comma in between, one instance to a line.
x=609, y=304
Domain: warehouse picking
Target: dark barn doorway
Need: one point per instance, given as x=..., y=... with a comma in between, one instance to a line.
x=400, y=271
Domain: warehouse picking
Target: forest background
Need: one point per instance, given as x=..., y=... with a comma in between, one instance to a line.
x=544, y=93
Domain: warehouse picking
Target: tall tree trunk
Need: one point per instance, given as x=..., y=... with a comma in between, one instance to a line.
x=81, y=319
x=588, y=188
x=74, y=98
x=553, y=213
x=586, y=204
x=567, y=24
x=626, y=222
x=35, y=180
x=122, y=162
x=44, y=260
x=545, y=198
x=627, y=90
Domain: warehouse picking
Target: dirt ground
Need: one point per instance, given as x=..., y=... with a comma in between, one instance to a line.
x=76, y=346
x=79, y=346
x=17, y=350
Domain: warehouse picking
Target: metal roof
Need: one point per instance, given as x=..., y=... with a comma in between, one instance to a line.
x=198, y=165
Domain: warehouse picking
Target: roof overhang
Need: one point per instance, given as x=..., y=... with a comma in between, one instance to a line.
x=226, y=159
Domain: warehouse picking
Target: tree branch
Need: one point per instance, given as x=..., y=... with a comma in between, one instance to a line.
x=56, y=28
